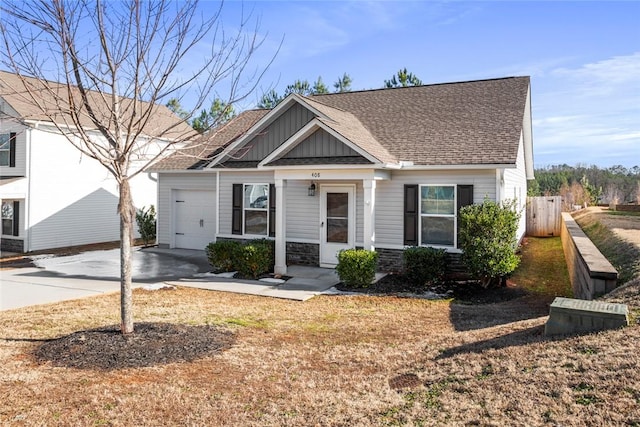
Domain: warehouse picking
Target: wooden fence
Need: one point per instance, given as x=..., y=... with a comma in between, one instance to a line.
x=544, y=216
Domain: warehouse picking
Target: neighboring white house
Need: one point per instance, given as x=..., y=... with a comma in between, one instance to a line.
x=380, y=169
x=51, y=195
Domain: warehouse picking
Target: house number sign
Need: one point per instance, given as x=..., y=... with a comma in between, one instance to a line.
x=315, y=174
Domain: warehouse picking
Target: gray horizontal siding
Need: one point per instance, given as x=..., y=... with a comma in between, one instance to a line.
x=390, y=194
x=227, y=179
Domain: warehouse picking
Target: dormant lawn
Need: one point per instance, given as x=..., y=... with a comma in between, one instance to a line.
x=333, y=360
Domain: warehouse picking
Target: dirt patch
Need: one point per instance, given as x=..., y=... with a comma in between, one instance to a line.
x=151, y=344
x=625, y=227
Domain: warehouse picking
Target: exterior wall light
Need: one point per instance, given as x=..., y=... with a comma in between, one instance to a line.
x=312, y=190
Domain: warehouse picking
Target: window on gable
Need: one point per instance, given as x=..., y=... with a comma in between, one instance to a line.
x=438, y=215
x=256, y=209
x=5, y=149
x=7, y=218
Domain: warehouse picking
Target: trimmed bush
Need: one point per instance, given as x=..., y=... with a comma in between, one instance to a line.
x=146, y=220
x=424, y=265
x=488, y=238
x=256, y=258
x=224, y=255
x=357, y=267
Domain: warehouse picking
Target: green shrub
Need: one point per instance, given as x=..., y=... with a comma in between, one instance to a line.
x=424, y=265
x=488, y=238
x=146, y=220
x=357, y=267
x=256, y=258
x=223, y=255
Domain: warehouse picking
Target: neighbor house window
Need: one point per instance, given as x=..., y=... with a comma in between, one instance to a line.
x=256, y=209
x=5, y=151
x=7, y=218
x=438, y=215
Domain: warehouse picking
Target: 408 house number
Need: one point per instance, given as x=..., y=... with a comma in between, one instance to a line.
x=315, y=174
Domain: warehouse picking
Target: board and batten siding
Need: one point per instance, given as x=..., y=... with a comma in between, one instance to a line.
x=390, y=203
x=277, y=132
x=167, y=182
x=515, y=188
x=227, y=179
x=320, y=144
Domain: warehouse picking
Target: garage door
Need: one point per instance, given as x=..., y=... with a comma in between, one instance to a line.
x=194, y=218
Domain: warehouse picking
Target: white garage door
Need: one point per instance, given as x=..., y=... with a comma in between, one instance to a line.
x=194, y=218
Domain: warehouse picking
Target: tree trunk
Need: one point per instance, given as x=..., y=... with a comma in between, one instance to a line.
x=126, y=211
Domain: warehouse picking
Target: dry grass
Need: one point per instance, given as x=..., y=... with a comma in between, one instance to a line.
x=543, y=269
x=337, y=360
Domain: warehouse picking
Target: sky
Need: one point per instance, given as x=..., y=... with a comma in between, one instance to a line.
x=583, y=58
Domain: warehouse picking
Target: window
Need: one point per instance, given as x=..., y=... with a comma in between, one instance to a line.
x=256, y=209
x=5, y=154
x=438, y=215
x=7, y=218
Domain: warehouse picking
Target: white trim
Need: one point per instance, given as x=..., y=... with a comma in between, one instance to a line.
x=245, y=208
x=280, y=266
x=461, y=166
x=217, y=204
x=454, y=215
x=352, y=218
x=369, y=214
x=331, y=174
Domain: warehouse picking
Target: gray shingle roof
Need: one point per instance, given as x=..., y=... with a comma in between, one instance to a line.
x=52, y=97
x=199, y=153
x=476, y=122
x=466, y=123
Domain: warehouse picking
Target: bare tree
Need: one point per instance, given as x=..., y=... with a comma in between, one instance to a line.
x=114, y=62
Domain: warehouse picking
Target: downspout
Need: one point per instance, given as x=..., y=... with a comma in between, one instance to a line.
x=27, y=207
x=499, y=181
x=217, y=205
x=150, y=176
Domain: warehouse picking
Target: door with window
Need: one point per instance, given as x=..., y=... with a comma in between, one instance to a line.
x=337, y=222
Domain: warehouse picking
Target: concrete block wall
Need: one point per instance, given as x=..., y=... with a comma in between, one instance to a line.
x=590, y=272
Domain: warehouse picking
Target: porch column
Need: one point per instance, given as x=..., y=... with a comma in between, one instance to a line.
x=281, y=240
x=369, y=235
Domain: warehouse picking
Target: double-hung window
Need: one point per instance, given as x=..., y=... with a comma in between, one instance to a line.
x=256, y=209
x=438, y=215
x=5, y=149
x=7, y=218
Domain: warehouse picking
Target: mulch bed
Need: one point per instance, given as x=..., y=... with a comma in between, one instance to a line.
x=151, y=344
x=466, y=292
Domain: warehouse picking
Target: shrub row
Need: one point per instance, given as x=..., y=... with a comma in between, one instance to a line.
x=357, y=267
x=251, y=259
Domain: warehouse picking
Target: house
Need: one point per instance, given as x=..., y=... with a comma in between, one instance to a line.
x=52, y=195
x=379, y=169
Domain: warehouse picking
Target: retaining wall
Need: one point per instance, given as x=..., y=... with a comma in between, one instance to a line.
x=590, y=272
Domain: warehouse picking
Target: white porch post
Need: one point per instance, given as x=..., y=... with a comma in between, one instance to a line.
x=281, y=240
x=369, y=214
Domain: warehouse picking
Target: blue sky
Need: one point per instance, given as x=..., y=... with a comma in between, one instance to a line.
x=583, y=59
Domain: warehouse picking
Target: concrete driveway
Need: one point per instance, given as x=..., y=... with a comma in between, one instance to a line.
x=64, y=278
x=92, y=273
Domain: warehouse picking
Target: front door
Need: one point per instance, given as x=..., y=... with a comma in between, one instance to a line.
x=337, y=222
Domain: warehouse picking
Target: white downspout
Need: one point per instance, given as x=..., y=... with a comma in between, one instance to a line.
x=27, y=207
x=217, y=205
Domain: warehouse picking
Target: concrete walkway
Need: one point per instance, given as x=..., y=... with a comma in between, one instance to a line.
x=305, y=283
x=97, y=272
